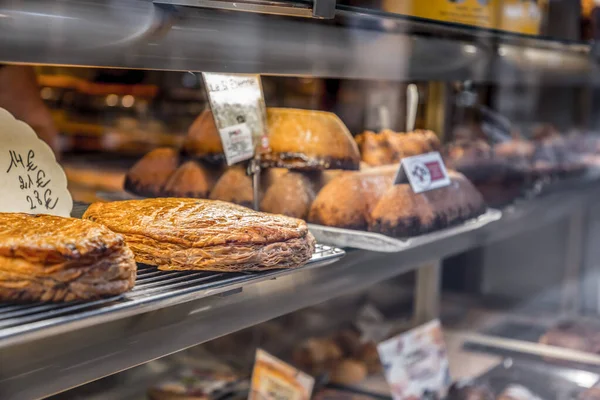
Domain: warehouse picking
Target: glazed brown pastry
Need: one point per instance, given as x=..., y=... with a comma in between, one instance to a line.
x=48, y=258
x=411, y=143
x=203, y=140
x=309, y=140
x=234, y=186
x=149, y=176
x=348, y=372
x=348, y=200
x=191, y=179
x=194, y=234
x=291, y=195
x=389, y=147
x=402, y=213
x=374, y=148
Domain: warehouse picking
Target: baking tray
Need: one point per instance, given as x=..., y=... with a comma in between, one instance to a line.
x=544, y=380
x=377, y=242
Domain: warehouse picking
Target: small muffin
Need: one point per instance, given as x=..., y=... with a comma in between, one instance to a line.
x=316, y=355
x=191, y=179
x=292, y=195
x=234, y=186
x=348, y=372
x=203, y=140
x=149, y=175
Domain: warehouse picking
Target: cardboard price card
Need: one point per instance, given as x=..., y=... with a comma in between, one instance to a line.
x=424, y=172
x=31, y=179
x=416, y=363
x=238, y=107
x=272, y=379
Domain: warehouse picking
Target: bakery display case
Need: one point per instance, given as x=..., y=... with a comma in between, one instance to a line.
x=191, y=184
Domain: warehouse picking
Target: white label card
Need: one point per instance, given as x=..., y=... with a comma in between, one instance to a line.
x=424, y=172
x=237, y=100
x=31, y=180
x=237, y=143
x=416, y=363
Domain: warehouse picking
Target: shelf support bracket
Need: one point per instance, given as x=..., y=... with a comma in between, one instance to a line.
x=427, y=293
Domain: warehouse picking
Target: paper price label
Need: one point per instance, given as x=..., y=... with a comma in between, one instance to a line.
x=416, y=363
x=424, y=172
x=31, y=179
x=236, y=100
x=272, y=379
x=237, y=143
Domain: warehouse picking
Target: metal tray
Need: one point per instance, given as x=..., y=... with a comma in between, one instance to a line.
x=153, y=290
x=544, y=380
x=378, y=242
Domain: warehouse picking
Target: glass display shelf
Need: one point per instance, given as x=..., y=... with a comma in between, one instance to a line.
x=356, y=44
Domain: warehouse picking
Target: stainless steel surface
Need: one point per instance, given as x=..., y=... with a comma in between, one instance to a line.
x=531, y=348
x=256, y=6
x=427, y=293
x=153, y=290
x=378, y=242
x=324, y=8
x=140, y=34
x=544, y=380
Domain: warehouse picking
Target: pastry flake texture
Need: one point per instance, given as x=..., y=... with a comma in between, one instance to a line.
x=206, y=235
x=57, y=259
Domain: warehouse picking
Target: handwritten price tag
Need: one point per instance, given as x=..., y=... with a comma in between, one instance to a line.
x=238, y=106
x=31, y=179
x=272, y=379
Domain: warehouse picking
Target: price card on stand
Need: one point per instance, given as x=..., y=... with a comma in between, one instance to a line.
x=272, y=379
x=424, y=172
x=31, y=180
x=238, y=107
x=416, y=363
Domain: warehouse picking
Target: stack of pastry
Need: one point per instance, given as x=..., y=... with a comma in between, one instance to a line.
x=346, y=358
x=370, y=201
x=193, y=234
x=305, y=142
x=389, y=147
x=49, y=258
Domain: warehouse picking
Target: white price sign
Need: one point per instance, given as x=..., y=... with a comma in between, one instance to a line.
x=31, y=179
x=424, y=172
x=238, y=107
x=416, y=363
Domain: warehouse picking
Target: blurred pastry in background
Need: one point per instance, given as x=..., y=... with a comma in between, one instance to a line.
x=389, y=147
x=309, y=140
x=203, y=140
x=402, y=213
x=292, y=195
x=149, y=176
x=191, y=179
x=348, y=372
x=234, y=186
x=20, y=95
